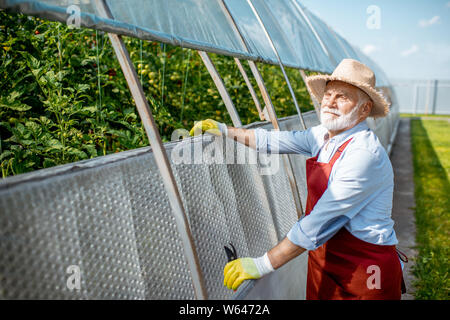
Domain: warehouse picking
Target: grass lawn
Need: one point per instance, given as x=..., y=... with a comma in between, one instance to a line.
x=418, y=115
x=431, y=158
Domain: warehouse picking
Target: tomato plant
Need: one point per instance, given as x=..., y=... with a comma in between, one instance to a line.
x=63, y=97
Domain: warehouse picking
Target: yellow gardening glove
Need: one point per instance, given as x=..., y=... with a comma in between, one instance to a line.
x=238, y=270
x=241, y=269
x=210, y=125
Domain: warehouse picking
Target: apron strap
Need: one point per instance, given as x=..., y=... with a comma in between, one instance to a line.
x=339, y=151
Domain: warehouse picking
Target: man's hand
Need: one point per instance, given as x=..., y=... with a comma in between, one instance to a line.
x=210, y=125
x=238, y=270
x=241, y=269
x=241, y=135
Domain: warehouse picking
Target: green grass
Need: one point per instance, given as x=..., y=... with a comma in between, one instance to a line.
x=419, y=115
x=431, y=158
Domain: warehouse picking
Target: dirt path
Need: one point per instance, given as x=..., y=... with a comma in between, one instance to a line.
x=404, y=203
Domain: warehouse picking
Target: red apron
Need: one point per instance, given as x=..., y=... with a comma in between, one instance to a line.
x=346, y=267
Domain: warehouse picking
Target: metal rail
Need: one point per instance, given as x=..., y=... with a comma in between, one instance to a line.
x=314, y=101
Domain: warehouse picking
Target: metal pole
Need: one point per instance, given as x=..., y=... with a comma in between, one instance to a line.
x=254, y=69
x=160, y=155
x=435, y=86
x=416, y=91
x=427, y=101
x=271, y=111
x=279, y=61
x=221, y=87
x=265, y=94
x=250, y=88
x=302, y=72
x=274, y=120
x=313, y=99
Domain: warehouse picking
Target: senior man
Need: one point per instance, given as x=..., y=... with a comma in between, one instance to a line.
x=347, y=228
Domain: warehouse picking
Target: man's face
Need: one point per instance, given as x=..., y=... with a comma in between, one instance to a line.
x=340, y=106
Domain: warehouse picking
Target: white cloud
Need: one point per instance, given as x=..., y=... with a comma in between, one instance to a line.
x=410, y=51
x=369, y=48
x=447, y=4
x=426, y=23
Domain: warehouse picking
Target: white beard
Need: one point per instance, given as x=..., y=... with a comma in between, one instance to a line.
x=341, y=122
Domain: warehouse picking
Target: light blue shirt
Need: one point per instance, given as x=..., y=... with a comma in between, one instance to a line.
x=360, y=187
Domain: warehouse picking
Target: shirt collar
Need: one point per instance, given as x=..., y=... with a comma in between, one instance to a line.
x=347, y=133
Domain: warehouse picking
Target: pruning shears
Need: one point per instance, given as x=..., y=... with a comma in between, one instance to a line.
x=231, y=253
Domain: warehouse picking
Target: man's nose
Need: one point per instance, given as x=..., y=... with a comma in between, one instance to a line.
x=330, y=103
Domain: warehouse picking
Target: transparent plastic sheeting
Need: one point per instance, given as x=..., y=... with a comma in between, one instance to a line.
x=292, y=37
x=205, y=25
x=186, y=23
x=381, y=78
x=109, y=219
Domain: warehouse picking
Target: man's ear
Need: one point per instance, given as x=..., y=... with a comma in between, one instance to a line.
x=367, y=108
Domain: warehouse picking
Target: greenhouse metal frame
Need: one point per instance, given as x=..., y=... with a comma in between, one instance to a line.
x=279, y=32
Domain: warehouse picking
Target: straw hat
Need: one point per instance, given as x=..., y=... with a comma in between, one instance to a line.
x=354, y=73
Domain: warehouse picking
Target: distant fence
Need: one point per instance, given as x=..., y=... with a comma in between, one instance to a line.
x=423, y=96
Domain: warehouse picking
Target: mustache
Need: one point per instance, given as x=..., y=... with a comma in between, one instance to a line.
x=333, y=111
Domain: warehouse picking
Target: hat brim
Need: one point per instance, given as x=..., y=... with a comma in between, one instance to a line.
x=318, y=83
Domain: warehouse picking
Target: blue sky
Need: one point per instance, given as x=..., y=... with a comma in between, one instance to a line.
x=412, y=41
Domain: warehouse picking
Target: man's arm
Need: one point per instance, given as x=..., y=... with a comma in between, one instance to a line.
x=274, y=141
x=284, y=252
x=261, y=140
x=244, y=136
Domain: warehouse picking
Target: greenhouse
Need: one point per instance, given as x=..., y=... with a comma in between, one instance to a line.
x=152, y=222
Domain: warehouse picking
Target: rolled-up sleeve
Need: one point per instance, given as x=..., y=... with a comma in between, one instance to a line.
x=359, y=179
x=275, y=141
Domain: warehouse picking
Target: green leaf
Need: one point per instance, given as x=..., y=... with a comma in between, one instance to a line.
x=29, y=164
x=82, y=87
x=88, y=60
x=13, y=96
x=34, y=63
x=54, y=144
x=16, y=106
x=78, y=153
x=48, y=163
x=51, y=77
x=27, y=142
x=91, y=149
x=60, y=75
x=6, y=154
x=92, y=109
